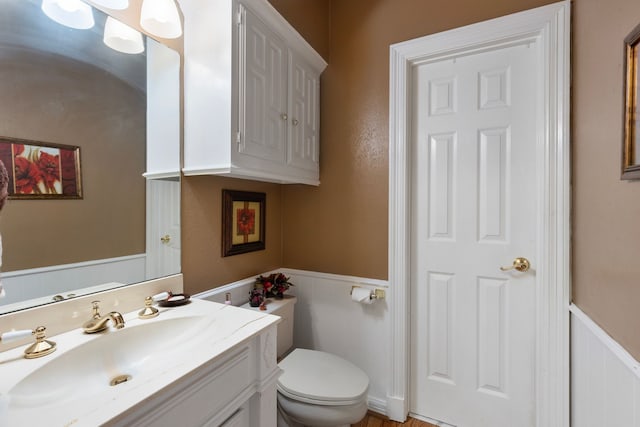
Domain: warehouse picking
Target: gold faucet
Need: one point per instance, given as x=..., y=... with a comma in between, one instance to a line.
x=40, y=348
x=98, y=323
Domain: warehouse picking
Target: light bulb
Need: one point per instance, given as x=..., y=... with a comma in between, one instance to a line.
x=121, y=37
x=70, y=13
x=161, y=18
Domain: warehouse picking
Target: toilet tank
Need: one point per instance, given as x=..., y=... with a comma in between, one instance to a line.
x=283, y=308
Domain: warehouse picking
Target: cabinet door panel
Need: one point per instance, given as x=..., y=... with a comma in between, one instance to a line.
x=305, y=116
x=263, y=109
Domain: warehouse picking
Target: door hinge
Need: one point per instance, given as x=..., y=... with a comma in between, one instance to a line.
x=239, y=17
x=238, y=138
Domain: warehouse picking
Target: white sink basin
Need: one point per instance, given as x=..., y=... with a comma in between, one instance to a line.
x=111, y=360
x=72, y=386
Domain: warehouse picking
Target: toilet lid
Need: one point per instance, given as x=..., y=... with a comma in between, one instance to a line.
x=321, y=378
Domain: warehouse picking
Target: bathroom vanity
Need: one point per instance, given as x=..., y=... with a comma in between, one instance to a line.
x=201, y=364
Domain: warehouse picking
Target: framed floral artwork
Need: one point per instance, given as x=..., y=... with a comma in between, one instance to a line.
x=41, y=170
x=243, y=222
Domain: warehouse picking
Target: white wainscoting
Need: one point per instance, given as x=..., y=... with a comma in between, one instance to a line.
x=327, y=320
x=21, y=285
x=605, y=378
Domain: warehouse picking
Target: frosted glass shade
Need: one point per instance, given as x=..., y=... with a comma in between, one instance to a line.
x=113, y=4
x=161, y=18
x=121, y=37
x=70, y=13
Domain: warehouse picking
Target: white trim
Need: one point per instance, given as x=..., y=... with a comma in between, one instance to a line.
x=549, y=26
x=376, y=405
x=612, y=345
x=349, y=280
x=172, y=174
x=74, y=265
x=244, y=173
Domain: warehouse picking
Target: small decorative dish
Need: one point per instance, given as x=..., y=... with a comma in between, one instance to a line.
x=175, y=300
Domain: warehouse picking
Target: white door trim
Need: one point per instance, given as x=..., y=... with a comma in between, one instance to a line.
x=549, y=26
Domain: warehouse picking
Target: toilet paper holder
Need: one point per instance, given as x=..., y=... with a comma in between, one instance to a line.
x=375, y=293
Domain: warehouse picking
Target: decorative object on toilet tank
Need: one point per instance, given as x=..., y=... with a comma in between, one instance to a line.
x=39, y=170
x=273, y=285
x=243, y=222
x=256, y=297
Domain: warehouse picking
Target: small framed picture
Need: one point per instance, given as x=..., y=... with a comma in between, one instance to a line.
x=243, y=222
x=631, y=139
x=41, y=170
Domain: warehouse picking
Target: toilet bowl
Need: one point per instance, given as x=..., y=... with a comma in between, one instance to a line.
x=319, y=389
x=316, y=389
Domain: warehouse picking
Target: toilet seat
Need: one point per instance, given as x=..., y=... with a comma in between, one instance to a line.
x=321, y=378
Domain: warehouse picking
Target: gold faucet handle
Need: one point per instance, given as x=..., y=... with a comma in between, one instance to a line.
x=149, y=311
x=96, y=309
x=41, y=347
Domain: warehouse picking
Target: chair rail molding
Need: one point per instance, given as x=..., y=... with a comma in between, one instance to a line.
x=548, y=25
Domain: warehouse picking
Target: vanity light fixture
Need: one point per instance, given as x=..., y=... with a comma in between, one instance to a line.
x=161, y=18
x=113, y=4
x=121, y=37
x=70, y=13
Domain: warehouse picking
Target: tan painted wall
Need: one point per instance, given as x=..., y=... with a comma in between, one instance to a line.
x=49, y=101
x=203, y=265
x=606, y=210
x=341, y=227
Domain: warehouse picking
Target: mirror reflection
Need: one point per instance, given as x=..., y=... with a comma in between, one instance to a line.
x=62, y=85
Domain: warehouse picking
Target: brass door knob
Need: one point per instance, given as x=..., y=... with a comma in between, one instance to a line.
x=165, y=239
x=520, y=264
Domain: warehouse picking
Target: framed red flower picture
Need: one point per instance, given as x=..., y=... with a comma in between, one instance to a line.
x=243, y=222
x=39, y=170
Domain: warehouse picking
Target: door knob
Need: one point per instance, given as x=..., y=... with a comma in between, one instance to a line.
x=520, y=264
x=165, y=239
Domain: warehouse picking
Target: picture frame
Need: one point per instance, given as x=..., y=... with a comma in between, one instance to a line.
x=41, y=170
x=631, y=134
x=243, y=222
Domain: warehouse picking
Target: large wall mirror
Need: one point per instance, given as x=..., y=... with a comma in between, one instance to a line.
x=65, y=86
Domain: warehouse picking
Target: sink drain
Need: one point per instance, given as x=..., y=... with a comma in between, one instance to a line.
x=120, y=379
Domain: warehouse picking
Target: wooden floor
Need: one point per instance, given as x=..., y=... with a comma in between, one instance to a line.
x=375, y=420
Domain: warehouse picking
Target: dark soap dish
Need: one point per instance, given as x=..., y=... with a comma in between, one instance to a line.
x=175, y=300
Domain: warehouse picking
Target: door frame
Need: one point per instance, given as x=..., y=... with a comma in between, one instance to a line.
x=549, y=26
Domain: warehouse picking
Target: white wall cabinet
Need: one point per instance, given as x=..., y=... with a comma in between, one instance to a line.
x=251, y=94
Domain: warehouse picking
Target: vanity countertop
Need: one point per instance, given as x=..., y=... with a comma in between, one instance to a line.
x=70, y=386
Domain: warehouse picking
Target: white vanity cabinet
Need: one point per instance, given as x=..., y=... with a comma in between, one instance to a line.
x=238, y=388
x=252, y=87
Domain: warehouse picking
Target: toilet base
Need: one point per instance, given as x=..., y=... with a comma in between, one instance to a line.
x=292, y=413
x=284, y=421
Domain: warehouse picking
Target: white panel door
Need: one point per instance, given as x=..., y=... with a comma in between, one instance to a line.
x=163, y=228
x=304, y=132
x=473, y=198
x=264, y=105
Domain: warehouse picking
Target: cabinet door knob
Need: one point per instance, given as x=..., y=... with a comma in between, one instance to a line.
x=284, y=116
x=295, y=122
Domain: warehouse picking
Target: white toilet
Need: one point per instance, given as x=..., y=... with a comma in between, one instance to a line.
x=316, y=389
